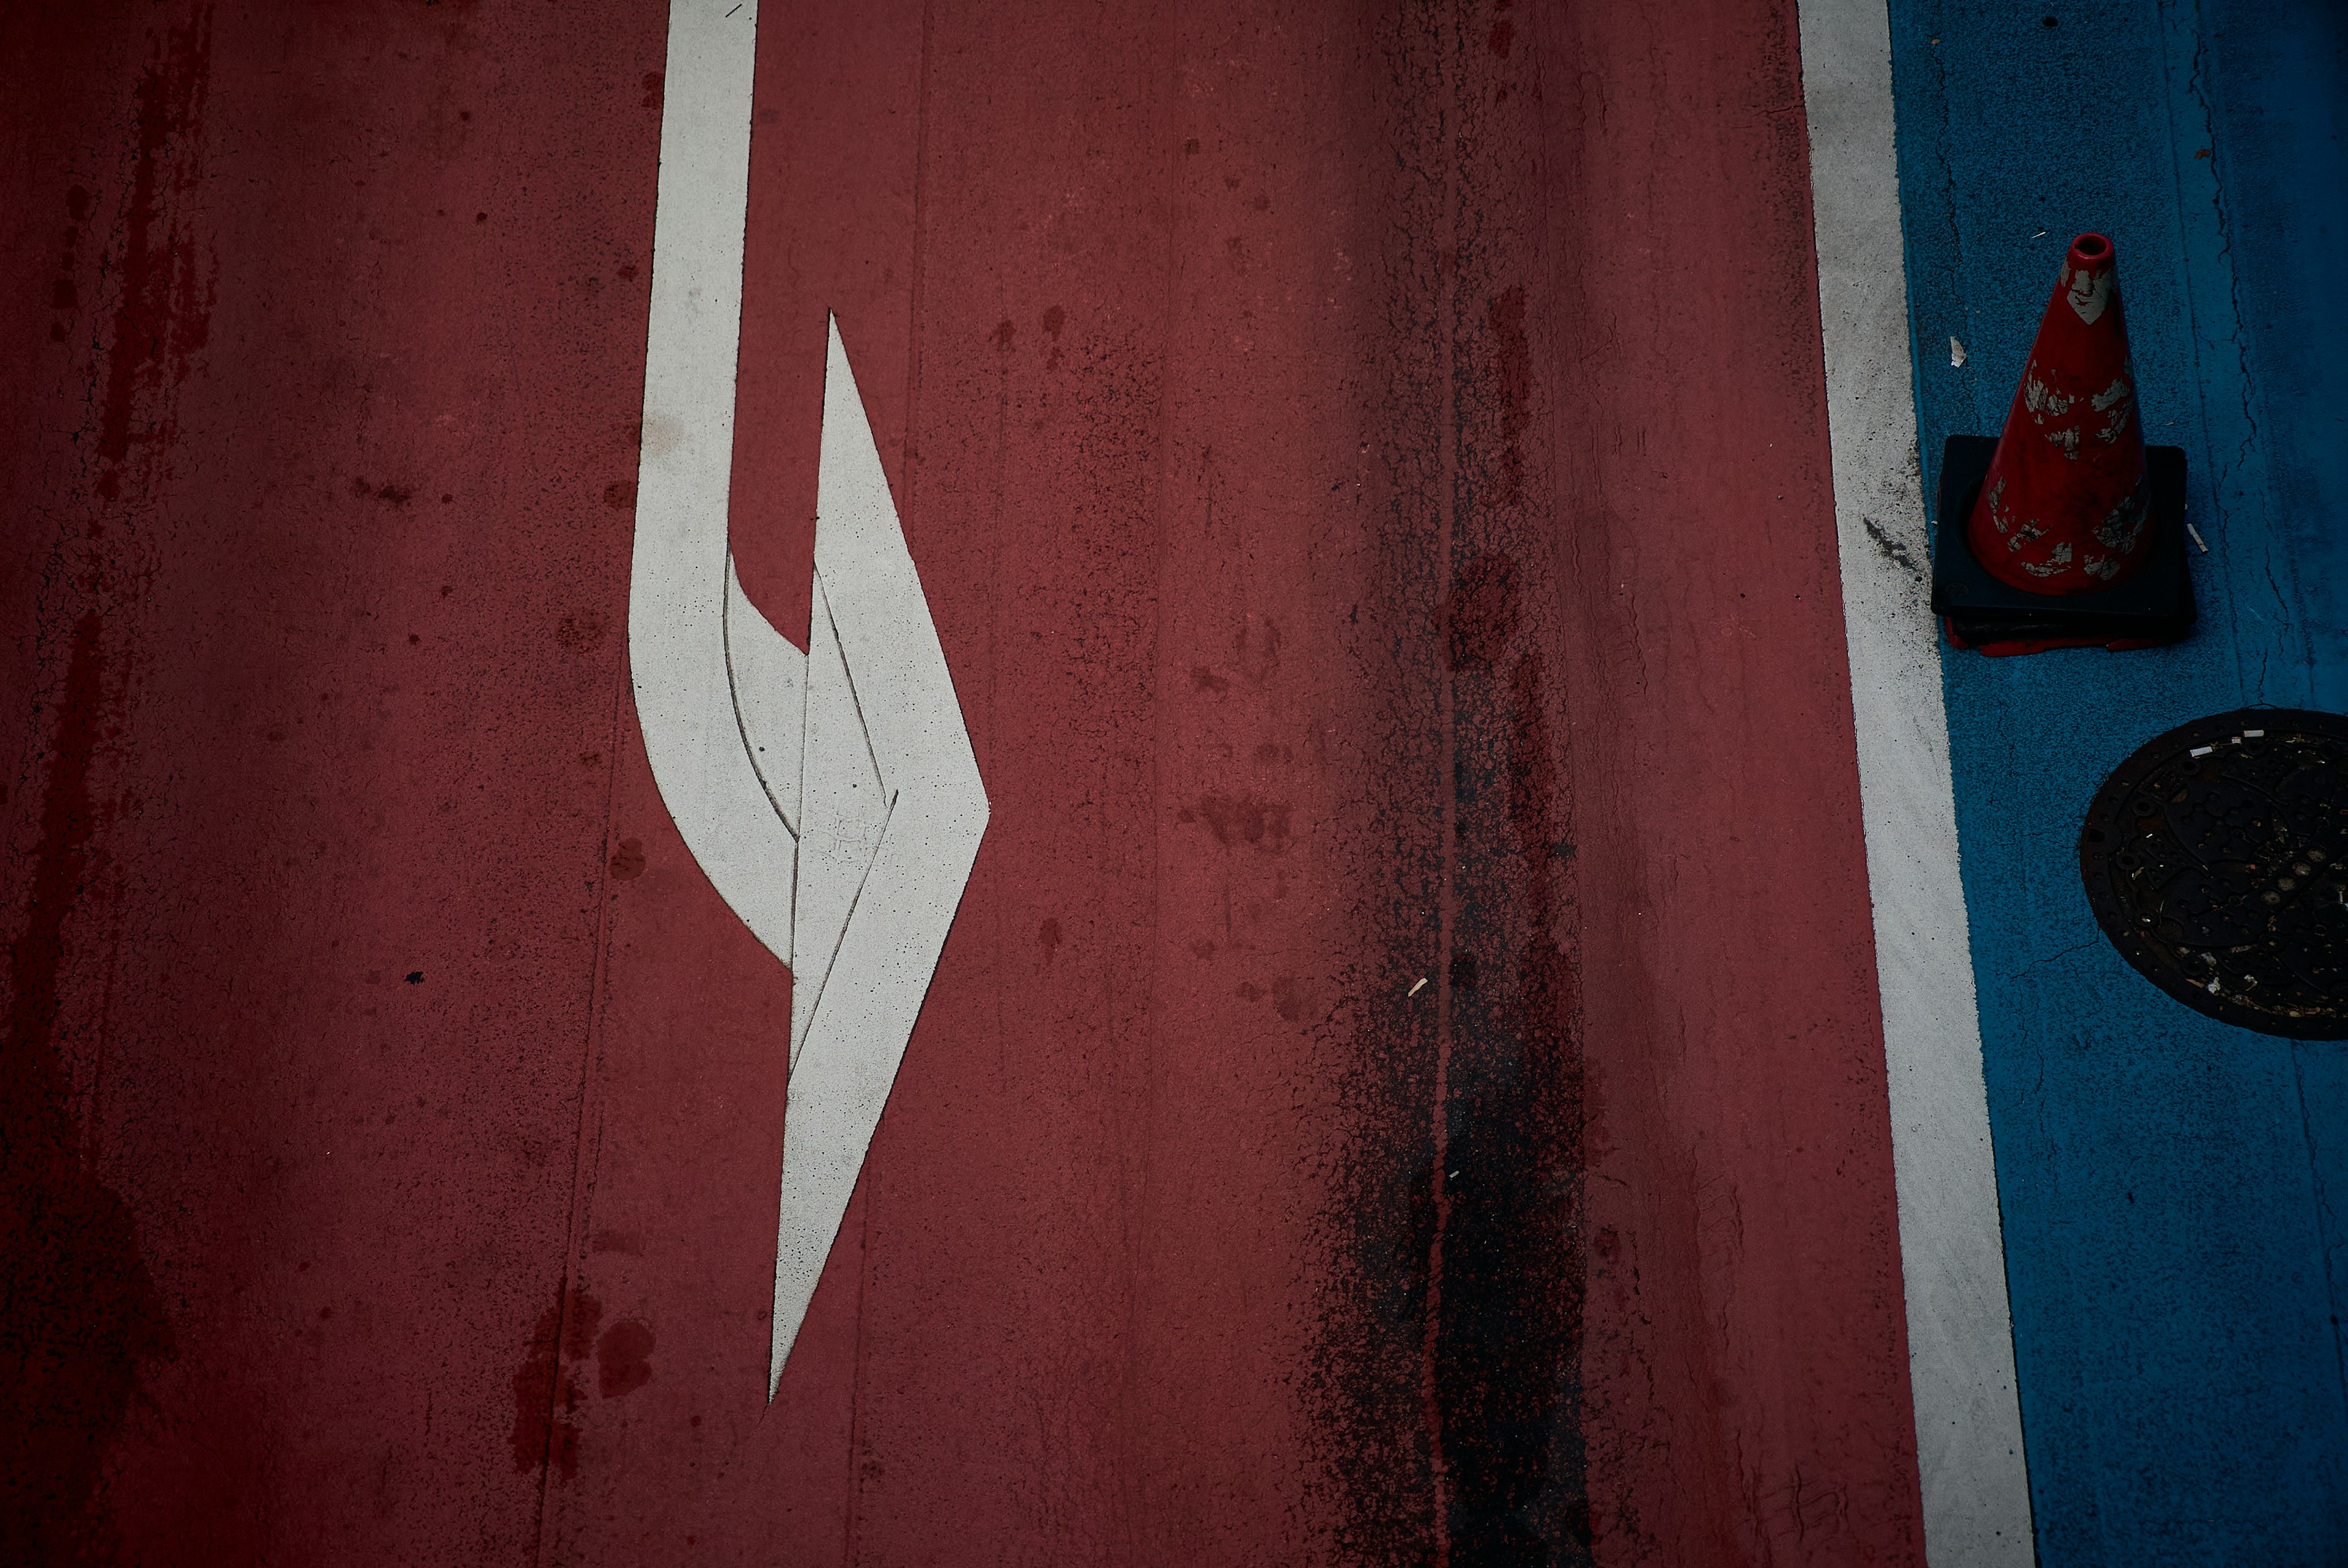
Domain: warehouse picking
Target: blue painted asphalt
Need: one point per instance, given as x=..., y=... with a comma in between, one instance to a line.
x=2174, y=1191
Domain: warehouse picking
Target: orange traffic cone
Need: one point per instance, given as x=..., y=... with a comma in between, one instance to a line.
x=2064, y=507
x=2067, y=530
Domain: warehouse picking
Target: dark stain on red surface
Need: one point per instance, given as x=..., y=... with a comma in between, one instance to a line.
x=652, y=90
x=1291, y=998
x=579, y=1326
x=1245, y=819
x=1255, y=650
x=533, y=1394
x=628, y=860
x=1445, y=1379
x=1485, y=612
x=83, y=1313
x=1509, y=1334
x=1047, y=939
x=623, y=1358
x=578, y=633
x=546, y=1391
x=1365, y=1387
x=620, y=495
x=1505, y=1354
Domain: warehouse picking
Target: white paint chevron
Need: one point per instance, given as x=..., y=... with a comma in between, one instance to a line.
x=906, y=782
x=832, y=796
x=846, y=807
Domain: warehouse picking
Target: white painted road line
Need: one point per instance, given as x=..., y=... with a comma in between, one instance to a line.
x=677, y=630
x=1976, y=1488
x=846, y=849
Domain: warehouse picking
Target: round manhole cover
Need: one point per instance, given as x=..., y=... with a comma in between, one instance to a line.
x=2216, y=859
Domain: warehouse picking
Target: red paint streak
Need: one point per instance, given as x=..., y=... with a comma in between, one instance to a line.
x=162, y=319
x=533, y=1391
x=292, y=1127
x=1513, y=384
x=1745, y=1317
x=84, y=1320
x=82, y=1314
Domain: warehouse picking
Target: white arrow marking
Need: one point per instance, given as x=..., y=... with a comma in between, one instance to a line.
x=832, y=796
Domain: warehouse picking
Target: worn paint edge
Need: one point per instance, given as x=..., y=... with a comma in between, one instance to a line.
x=1969, y=1440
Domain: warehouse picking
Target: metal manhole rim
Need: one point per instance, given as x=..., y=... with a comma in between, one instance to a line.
x=2115, y=912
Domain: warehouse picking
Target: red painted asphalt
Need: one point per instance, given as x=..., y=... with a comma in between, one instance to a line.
x=1369, y=474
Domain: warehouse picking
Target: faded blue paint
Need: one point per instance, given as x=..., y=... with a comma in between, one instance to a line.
x=2173, y=1189
x=2275, y=83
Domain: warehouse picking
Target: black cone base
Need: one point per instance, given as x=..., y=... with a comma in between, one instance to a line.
x=2153, y=607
